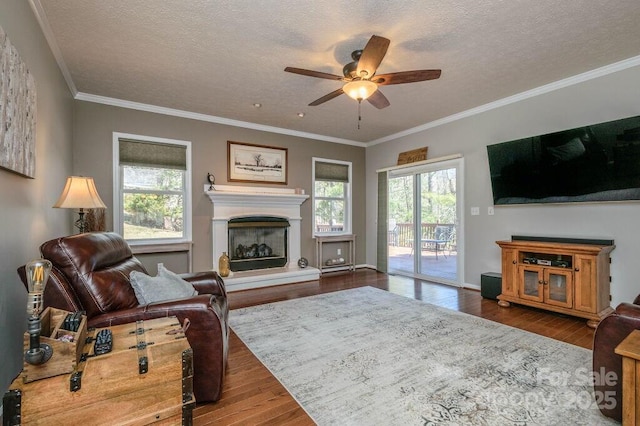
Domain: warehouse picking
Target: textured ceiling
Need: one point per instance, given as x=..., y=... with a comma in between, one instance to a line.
x=218, y=58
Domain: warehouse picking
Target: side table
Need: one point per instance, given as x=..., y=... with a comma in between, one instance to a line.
x=350, y=261
x=629, y=349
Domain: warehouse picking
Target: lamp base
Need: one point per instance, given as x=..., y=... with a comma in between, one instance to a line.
x=39, y=355
x=81, y=223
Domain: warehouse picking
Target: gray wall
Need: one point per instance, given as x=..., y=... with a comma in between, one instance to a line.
x=606, y=98
x=93, y=132
x=26, y=216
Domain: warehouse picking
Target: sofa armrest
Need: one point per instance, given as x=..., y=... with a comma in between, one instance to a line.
x=207, y=335
x=207, y=282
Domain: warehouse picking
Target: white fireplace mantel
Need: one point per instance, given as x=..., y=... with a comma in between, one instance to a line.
x=235, y=201
x=238, y=201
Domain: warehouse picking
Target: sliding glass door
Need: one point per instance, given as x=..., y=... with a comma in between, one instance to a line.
x=401, y=224
x=423, y=221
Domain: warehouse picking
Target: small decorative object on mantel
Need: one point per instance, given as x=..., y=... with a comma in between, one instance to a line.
x=212, y=180
x=223, y=265
x=303, y=262
x=412, y=156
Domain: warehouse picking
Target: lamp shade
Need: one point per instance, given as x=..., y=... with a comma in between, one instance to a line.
x=80, y=193
x=360, y=89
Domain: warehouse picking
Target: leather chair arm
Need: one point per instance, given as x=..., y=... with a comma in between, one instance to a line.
x=628, y=309
x=610, y=332
x=207, y=335
x=195, y=306
x=207, y=282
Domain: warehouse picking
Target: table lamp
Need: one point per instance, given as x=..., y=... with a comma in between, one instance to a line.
x=80, y=193
x=37, y=275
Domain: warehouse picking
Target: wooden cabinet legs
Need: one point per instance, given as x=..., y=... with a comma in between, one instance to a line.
x=504, y=303
x=593, y=323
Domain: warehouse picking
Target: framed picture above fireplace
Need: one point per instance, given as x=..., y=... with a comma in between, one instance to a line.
x=256, y=163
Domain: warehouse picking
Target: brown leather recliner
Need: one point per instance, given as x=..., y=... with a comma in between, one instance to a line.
x=91, y=273
x=607, y=365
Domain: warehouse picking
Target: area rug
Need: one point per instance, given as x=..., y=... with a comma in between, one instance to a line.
x=369, y=357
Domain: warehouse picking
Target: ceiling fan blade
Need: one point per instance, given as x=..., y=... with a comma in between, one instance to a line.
x=372, y=55
x=378, y=100
x=406, y=77
x=327, y=97
x=310, y=73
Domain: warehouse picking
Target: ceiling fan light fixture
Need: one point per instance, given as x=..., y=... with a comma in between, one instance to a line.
x=360, y=90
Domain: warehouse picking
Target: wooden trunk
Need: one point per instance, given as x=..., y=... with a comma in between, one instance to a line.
x=146, y=378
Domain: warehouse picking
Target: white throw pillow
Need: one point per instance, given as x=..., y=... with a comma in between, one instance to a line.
x=166, y=286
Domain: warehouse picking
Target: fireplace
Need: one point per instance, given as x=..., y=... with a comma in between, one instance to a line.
x=233, y=206
x=257, y=242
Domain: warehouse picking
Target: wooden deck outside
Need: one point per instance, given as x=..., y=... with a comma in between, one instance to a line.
x=444, y=266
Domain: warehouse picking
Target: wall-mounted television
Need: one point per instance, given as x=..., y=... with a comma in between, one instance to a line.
x=587, y=164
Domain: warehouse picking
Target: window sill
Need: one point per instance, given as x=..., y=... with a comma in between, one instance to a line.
x=166, y=247
x=332, y=234
x=160, y=247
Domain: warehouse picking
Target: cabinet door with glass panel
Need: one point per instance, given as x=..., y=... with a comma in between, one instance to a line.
x=546, y=285
x=531, y=283
x=558, y=285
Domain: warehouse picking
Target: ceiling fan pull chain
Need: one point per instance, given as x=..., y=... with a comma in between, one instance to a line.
x=359, y=115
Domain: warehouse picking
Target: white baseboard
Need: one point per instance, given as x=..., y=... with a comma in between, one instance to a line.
x=471, y=286
x=367, y=266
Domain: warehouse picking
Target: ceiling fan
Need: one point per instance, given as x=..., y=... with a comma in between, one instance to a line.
x=361, y=81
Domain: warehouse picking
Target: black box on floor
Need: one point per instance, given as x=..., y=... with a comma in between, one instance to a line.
x=491, y=285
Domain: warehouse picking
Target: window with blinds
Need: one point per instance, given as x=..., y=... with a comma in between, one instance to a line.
x=153, y=189
x=331, y=196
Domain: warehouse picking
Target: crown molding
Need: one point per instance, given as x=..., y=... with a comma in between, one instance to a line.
x=80, y=96
x=41, y=17
x=560, y=84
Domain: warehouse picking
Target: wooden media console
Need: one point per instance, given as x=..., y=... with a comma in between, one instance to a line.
x=569, y=278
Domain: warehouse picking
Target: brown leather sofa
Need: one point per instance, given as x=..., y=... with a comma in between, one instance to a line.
x=611, y=331
x=91, y=273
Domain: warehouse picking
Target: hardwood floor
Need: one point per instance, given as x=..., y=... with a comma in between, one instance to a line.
x=252, y=395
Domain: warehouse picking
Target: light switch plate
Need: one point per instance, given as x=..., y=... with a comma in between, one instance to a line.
x=475, y=211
